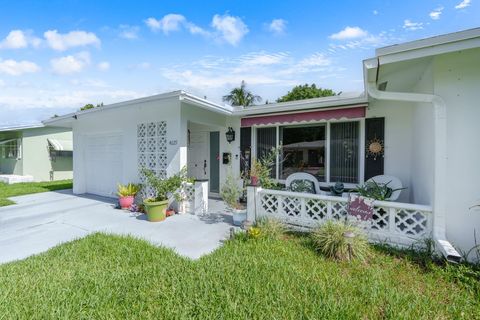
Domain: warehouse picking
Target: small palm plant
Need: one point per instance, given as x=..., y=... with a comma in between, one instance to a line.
x=341, y=241
x=241, y=96
x=126, y=194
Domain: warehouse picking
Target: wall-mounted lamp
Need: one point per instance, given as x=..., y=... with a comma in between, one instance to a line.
x=230, y=135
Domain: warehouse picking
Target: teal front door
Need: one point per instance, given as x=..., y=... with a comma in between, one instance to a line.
x=214, y=180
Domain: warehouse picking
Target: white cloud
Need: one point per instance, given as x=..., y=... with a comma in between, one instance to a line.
x=349, y=33
x=412, y=26
x=232, y=29
x=174, y=22
x=103, y=66
x=463, y=4
x=16, y=68
x=71, y=63
x=436, y=13
x=170, y=22
x=375, y=12
x=315, y=60
x=18, y=39
x=128, y=32
x=262, y=58
x=277, y=26
x=78, y=38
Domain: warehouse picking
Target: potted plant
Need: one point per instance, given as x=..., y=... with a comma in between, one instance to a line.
x=126, y=194
x=231, y=192
x=255, y=172
x=165, y=190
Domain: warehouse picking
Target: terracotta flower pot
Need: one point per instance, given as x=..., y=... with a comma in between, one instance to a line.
x=170, y=213
x=254, y=180
x=126, y=202
x=156, y=210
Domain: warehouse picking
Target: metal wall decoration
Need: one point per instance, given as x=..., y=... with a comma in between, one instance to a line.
x=375, y=148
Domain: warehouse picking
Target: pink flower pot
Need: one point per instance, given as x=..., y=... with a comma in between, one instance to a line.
x=126, y=202
x=253, y=180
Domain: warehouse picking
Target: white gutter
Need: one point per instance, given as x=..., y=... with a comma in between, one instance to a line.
x=440, y=157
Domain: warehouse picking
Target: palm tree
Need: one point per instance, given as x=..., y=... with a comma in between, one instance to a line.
x=241, y=96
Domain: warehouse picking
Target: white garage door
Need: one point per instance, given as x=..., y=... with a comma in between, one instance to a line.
x=104, y=164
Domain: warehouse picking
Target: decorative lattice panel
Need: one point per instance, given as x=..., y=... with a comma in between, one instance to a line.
x=291, y=206
x=411, y=222
x=269, y=203
x=380, y=218
x=152, y=150
x=339, y=210
x=316, y=209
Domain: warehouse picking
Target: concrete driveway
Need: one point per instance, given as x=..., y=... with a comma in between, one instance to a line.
x=41, y=221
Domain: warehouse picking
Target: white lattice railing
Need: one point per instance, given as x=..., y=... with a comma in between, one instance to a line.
x=188, y=198
x=394, y=222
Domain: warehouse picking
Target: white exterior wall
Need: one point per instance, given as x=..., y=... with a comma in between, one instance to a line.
x=456, y=80
x=422, y=154
x=398, y=140
x=123, y=121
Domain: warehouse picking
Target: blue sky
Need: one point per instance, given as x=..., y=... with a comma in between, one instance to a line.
x=56, y=56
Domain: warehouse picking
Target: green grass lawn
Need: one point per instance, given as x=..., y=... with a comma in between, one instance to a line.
x=106, y=277
x=18, y=189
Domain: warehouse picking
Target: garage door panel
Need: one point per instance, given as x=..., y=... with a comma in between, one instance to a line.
x=104, y=159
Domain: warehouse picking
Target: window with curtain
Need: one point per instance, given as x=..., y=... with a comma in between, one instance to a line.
x=303, y=150
x=344, y=152
x=266, y=140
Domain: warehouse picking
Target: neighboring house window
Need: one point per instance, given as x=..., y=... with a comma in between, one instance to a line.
x=10, y=149
x=305, y=148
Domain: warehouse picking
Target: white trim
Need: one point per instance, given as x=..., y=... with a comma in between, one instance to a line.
x=22, y=127
x=429, y=42
x=317, y=103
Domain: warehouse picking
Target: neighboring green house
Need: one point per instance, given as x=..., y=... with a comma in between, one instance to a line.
x=35, y=153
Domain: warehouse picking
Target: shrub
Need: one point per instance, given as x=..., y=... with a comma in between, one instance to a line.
x=271, y=228
x=231, y=192
x=166, y=187
x=330, y=240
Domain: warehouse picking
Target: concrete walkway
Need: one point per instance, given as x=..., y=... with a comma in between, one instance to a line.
x=41, y=221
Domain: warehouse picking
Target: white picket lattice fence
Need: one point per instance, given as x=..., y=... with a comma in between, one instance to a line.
x=188, y=196
x=394, y=222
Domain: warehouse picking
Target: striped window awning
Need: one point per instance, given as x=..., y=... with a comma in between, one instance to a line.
x=351, y=112
x=60, y=145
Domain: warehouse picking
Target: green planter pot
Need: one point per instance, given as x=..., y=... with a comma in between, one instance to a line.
x=156, y=211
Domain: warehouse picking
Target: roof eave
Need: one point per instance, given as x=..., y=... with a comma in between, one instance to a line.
x=302, y=105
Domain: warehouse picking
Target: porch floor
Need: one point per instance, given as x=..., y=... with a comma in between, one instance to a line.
x=39, y=222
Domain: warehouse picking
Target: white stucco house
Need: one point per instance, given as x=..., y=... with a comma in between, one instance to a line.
x=421, y=103
x=34, y=152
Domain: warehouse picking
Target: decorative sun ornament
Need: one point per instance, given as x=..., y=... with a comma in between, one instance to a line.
x=375, y=148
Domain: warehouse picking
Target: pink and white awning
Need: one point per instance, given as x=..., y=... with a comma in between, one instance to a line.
x=351, y=112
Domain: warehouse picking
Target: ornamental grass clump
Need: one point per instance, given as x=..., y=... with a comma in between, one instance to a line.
x=271, y=228
x=341, y=241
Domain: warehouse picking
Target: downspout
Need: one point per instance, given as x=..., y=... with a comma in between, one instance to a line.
x=440, y=159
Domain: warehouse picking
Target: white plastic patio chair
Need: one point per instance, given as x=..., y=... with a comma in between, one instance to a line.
x=393, y=183
x=303, y=176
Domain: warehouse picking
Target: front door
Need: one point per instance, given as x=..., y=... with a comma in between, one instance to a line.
x=198, y=155
x=214, y=162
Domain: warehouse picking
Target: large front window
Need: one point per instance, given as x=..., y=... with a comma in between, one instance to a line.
x=303, y=150
x=330, y=152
